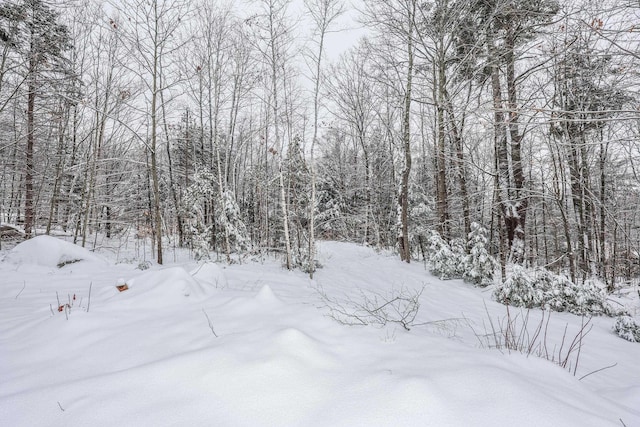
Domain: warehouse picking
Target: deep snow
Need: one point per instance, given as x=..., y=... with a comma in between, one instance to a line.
x=149, y=356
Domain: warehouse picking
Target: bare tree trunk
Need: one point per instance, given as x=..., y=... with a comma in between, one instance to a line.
x=442, y=202
x=604, y=261
x=323, y=13
x=29, y=165
x=403, y=200
x=274, y=59
x=57, y=183
x=460, y=164
x=172, y=183
x=558, y=184
x=519, y=202
x=312, y=160
x=155, y=180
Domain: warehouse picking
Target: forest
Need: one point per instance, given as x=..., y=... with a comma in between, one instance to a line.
x=229, y=128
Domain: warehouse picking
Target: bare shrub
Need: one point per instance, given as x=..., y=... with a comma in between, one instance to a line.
x=399, y=306
x=518, y=333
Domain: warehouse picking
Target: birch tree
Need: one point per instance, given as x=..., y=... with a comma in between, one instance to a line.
x=396, y=21
x=274, y=42
x=323, y=13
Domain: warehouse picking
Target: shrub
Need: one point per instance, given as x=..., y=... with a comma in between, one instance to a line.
x=398, y=306
x=480, y=265
x=449, y=260
x=541, y=288
x=626, y=327
x=444, y=262
x=581, y=298
x=522, y=334
x=520, y=289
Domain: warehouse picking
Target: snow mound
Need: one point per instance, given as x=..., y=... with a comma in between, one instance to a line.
x=299, y=346
x=209, y=275
x=161, y=287
x=265, y=301
x=266, y=296
x=49, y=251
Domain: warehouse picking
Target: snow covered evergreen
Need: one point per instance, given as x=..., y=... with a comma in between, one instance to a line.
x=480, y=266
x=626, y=327
x=538, y=287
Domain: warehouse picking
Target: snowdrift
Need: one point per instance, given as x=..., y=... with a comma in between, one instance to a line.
x=161, y=287
x=49, y=251
x=210, y=276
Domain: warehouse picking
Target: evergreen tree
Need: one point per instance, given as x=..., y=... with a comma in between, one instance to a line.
x=41, y=41
x=501, y=27
x=480, y=265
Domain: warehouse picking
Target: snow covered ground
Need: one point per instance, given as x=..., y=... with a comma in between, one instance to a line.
x=251, y=344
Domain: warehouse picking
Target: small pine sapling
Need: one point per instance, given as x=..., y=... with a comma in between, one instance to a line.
x=443, y=261
x=480, y=265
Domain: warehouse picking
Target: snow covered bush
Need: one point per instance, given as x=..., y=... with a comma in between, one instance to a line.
x=458, y=248
x=227, y=225
x=538, y=287
x=626, y=327
x=520, y=289
x=230, y=220
x=419, y=213
x=444, y=261
x=480, y=265
x=451, y=261
x=583, y=298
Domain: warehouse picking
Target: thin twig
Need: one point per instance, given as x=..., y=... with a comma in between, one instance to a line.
x=561, y=362
x=60, y=406
x=579, y=345
x=546, y=329
x=597, y=370
x=89, y=302
x=210, y=324
x=23, y=286
x=436, y=322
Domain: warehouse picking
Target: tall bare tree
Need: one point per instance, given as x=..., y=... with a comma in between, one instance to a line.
x=323, y=13
x=151, y=31
x=396, y=21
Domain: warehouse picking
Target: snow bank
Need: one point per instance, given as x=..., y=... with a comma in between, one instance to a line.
x=48, y=251
x=159, y=287
x=210, y=276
